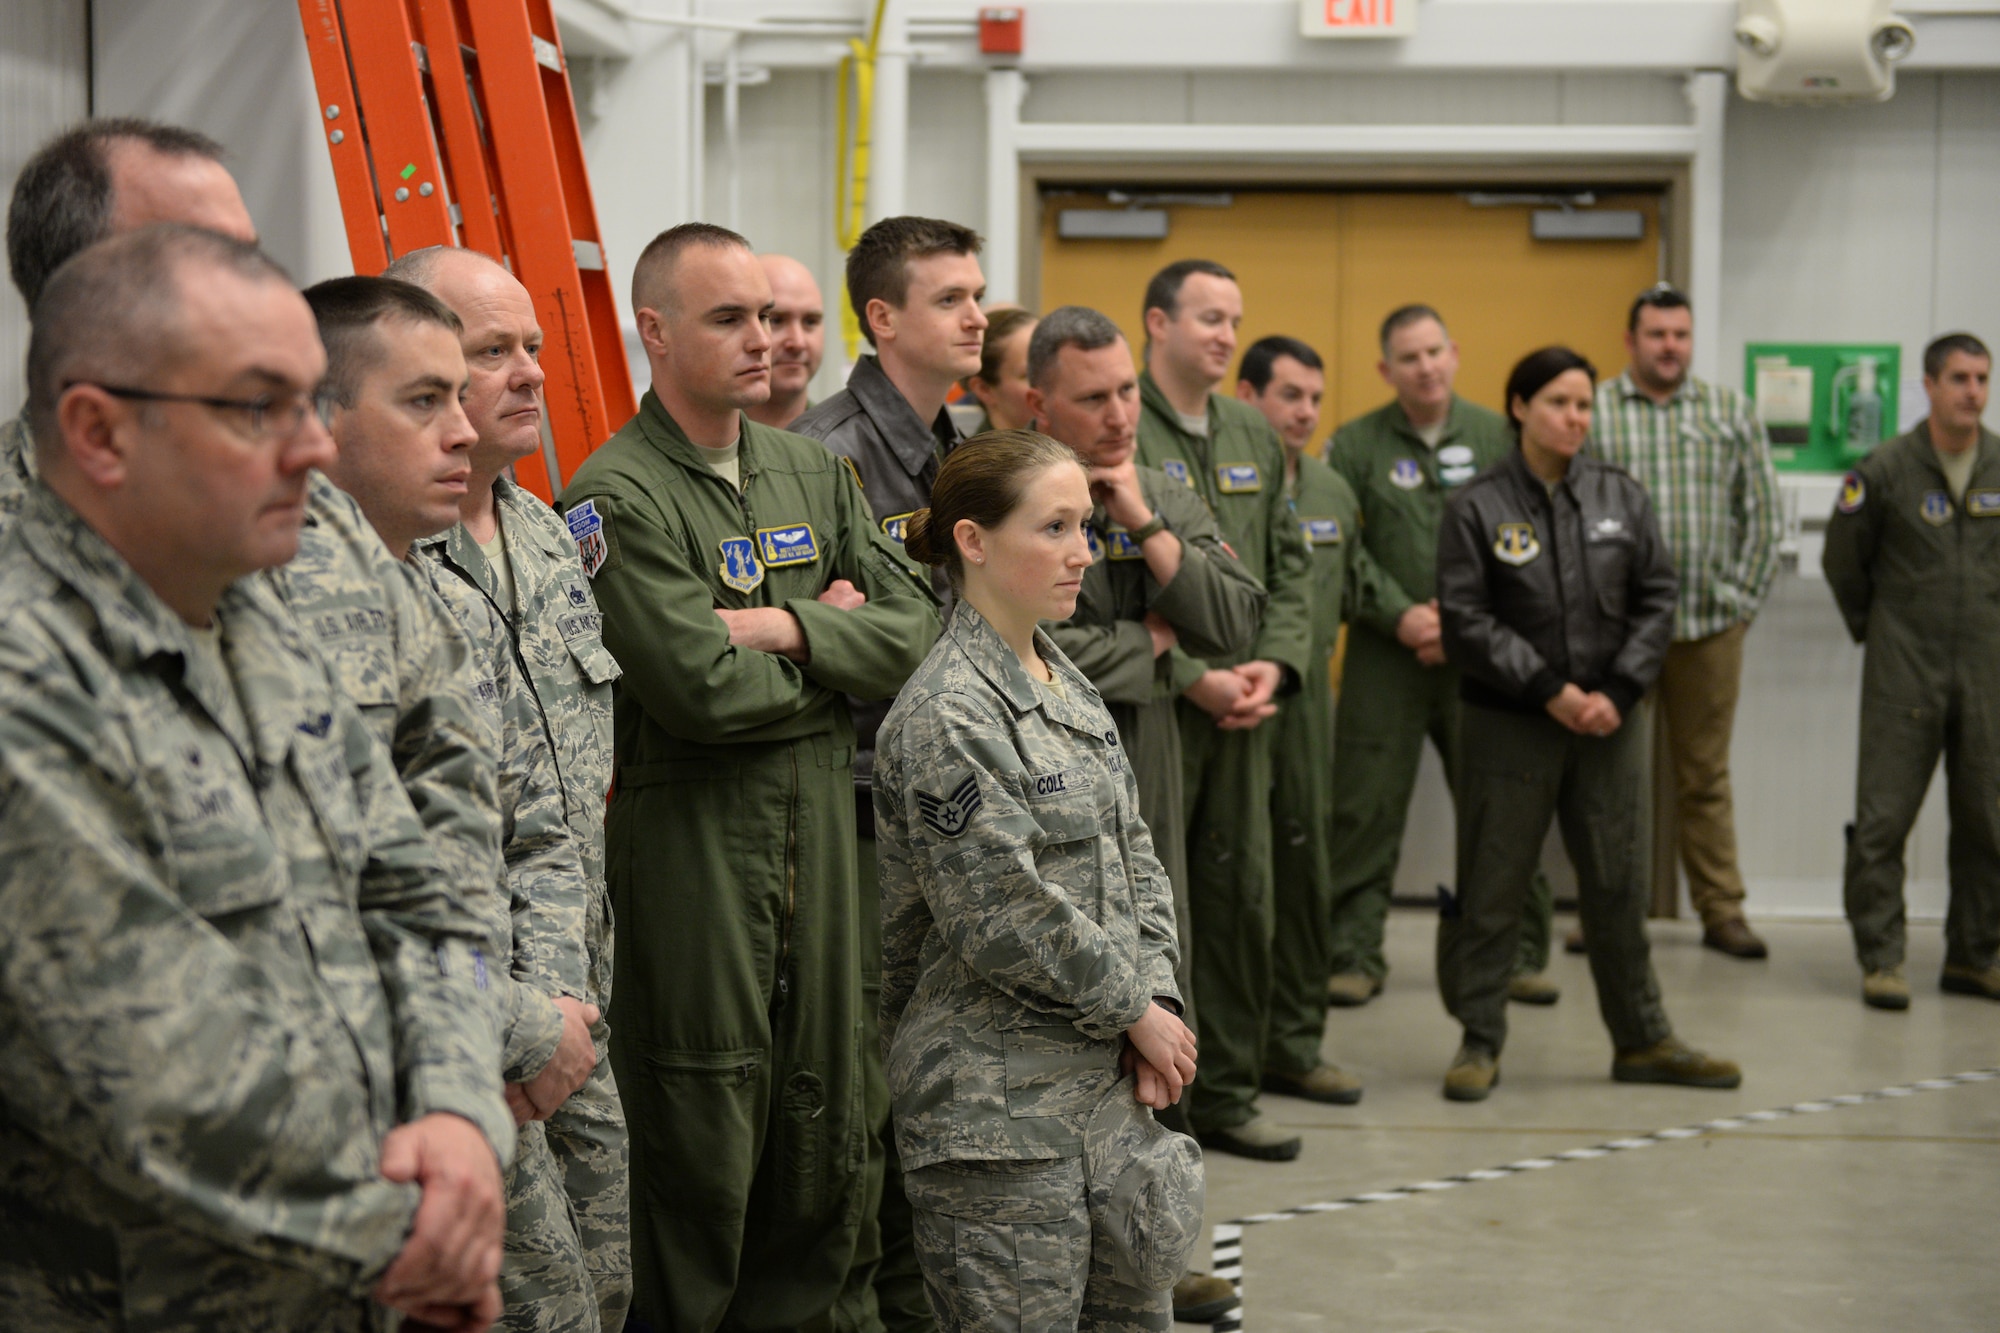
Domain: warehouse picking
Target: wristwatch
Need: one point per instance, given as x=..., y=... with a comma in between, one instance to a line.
x=1154, y=528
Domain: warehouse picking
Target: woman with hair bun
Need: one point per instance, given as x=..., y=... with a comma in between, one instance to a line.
x=1029, y=1008
x=1557, y=601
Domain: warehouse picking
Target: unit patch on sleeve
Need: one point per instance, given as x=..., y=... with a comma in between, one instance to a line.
x=1853, y=493
x=1936, y=508
x=739, y=568
x=1515, y=543
x=1238, y=478
x=1321, y=531
x=947, y=816
x=1178, y=470
x=1406, y=474
x=792, y=545
x=587, y=529
x=1982, y=504
x=897, y=526
x=1119, y=545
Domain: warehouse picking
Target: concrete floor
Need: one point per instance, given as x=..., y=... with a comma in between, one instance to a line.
x=1870, y=1217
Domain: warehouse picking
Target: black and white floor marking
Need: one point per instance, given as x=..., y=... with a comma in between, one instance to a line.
x=1228, y=1236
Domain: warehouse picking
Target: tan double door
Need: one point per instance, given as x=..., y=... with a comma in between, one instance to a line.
x=1326, y=266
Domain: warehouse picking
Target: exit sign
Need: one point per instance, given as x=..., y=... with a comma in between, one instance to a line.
x=1357, y=18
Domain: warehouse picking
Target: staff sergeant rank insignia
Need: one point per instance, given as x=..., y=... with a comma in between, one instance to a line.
x=1321, y=531
x=1178, y=470
x=947, y=816
x=1238, y=478
x=739, y=568
x=1936, y=508
x=586, y=527
x=897, y=526
x=794, y=545
x=1515, y=543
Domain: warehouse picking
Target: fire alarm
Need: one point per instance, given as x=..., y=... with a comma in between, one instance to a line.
x=1000, y=32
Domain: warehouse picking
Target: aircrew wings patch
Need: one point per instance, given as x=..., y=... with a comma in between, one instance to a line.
x=947, y=816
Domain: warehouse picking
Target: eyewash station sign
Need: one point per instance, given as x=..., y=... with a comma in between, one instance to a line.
x=1824, y=404
x=1357, y=18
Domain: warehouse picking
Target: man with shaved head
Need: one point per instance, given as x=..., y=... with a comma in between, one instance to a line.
x=241, y=996
x=90, y=182
x=798, y=340
x=515, y=556
x=746, y=589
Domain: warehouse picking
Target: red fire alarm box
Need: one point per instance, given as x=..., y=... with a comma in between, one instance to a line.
x=1000, y=31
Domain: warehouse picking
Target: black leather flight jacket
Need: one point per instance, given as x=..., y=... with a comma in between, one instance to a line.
x=1540, y=586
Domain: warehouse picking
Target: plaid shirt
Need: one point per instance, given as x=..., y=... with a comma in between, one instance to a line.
x=1705, y=460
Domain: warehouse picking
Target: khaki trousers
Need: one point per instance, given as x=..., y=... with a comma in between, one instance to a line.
x=1698, y=688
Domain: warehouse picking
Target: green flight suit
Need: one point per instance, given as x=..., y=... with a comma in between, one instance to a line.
x=1239, y=469
x=736, y=1024
x=1917, y=575
x=1214, y=606
x=1389, y=701
x=1302, y=791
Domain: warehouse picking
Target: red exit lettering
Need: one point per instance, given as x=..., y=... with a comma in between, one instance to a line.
x=1360, y=13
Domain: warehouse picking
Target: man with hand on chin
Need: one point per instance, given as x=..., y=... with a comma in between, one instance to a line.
x=1227, y=453
x=746, y=591
x=798, y=341
x=513, y=554
x=394, y=375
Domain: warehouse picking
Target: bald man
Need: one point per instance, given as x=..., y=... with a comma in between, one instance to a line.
x=513, y=551
x=798, y=340
x=99, y=179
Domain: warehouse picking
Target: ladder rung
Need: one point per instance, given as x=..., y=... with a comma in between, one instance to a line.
x=546, y=54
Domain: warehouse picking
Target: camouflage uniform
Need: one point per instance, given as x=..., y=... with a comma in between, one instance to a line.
x=560, y=659
x=1026, y=925
x=17, y=467
x=233, y=962
x=1213, y=604
x=543, y=931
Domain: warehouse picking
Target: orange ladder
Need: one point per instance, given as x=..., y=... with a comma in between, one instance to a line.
x=451, y=122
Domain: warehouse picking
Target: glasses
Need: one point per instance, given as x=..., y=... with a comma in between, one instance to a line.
x=268, y=416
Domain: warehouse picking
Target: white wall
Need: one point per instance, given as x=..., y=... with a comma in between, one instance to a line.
x=44, y=85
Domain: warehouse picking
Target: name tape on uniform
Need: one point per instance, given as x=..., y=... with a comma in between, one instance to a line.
x=1238, y=478
x=1321, y=531
x=793, y=544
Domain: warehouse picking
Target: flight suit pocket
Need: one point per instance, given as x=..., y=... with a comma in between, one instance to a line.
x=1051, y=1070
x=693, y=1115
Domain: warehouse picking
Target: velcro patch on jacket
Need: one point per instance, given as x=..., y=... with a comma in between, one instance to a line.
x=1982, y=504
x=586, y=528
x=1238, y=478
x=1321, y=531
x=1178, y=470
x=1516, y=543
x=1853, y=493
x=897, y=526
x=793, y=544
x=1936, y=508
x=947, y=816
x=739, y=568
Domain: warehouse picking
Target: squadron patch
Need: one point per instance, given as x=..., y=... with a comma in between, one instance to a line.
x=947, y=816
x=1936, y=508
x=1853, y=493
x=1515, y=543
x=1406, y=474
x=739, y=568
x=791, y=545
x=897, y=526
x=586, y=528
x=1178, y=470
x=1982, y=504
x=1238, y=478
x=1094, y=542
x=1321, y=531
x=1119, y=545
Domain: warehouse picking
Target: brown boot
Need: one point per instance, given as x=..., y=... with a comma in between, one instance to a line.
x=1472, y=1075
x=1202, y=1298
x=1327, y=1083
x=1533, y=988
x=1350, y=990
x=1256, y=1138
x=1573, y=942
x=1885, y=989
x=1735, y=938
x=1671, y=1060
x=1980, y=981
